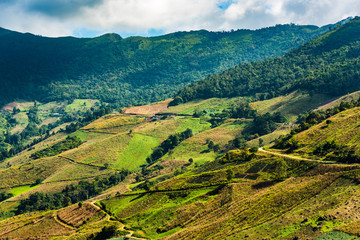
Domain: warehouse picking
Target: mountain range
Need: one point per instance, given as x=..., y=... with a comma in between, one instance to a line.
x=133, y=70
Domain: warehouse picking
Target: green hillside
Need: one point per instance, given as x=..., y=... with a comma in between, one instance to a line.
x=193, y=190
x=135, y=69
x=257, y=165
x=327, y=65
x=330, y=135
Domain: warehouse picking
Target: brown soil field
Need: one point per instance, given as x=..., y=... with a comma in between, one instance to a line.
x=148, y=109
x=33, y=226
x=76, y=216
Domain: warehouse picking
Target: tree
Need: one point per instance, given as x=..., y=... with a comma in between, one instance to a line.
x=280, y=170
x=229, y=174
x=216, y=148
x=211, y=145
x=147, y=185
x=253, y=149
x=261, y=142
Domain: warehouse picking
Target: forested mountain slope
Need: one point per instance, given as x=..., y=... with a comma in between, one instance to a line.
x=135, y=69
x=328, y=64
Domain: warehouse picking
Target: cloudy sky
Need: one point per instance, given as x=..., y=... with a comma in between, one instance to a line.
x=89, y=18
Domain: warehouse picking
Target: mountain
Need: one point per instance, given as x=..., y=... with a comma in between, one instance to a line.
x=214, y=168
x=328, y=65
x=132, y=70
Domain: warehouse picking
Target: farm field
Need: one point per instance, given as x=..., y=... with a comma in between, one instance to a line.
x=341, y=128
x=212, y=105
x=291, y=105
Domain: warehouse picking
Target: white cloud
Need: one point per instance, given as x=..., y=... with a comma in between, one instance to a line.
x=142, y=16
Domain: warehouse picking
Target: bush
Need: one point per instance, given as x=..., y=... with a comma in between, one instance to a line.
x=237, y=156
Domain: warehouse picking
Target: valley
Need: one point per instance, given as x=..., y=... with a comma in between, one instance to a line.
x=264, y=150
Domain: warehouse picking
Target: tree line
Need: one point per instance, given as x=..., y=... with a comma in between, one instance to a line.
x=170, y=143
x=70, y=194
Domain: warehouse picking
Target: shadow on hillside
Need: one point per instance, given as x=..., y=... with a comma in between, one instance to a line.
x=263, y=184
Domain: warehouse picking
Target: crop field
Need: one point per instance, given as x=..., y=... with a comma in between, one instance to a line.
x=22, y=121
x=160, y=129
x=22, y=105
x=49, y=107
x=46, y=111
x=212, y=105
x=16, y=191
x=268, y=139
x=342, y=129
x=113, y=121
x=164, y=128
x=72, y=171
x=186, y=150
x=28, y=173
x=80, y=105
x=123, y=151
x=291, y=105
x=24, y=157
x=148, y=109
x=76, y=216
x=42, y=225
x=151, y=210
x=136, y=152
x=101, y=152
x=336, y=102
x=196, y=147
x=222, y=134
x=253, y=209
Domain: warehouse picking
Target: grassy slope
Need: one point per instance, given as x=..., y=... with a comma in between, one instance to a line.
x=343, y=129
x=246, y=207
x=45, y=112
x=213, y=208
x=71, y=222
x=291, y=105
x=336, y=102
x=136, y=152
x=211, y=105
x=120, y=150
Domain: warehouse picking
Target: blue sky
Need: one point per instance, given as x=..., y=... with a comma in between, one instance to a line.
x=90, y=18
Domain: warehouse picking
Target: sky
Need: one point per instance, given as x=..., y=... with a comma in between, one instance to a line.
x=90, y=18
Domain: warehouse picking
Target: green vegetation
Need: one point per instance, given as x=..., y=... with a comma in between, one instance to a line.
x=4, y=196
x=71, y=194
x=328, y=65
x=113, y=69
x=16, y=191
x=316, y=134
x=68, y=143
x=170, y=143
x=192, y=175
x=136, y=152
x=37, y=123
x=336, y=235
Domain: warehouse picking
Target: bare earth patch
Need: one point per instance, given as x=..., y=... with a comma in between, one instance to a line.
x=148, y=109
x=77, y=214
